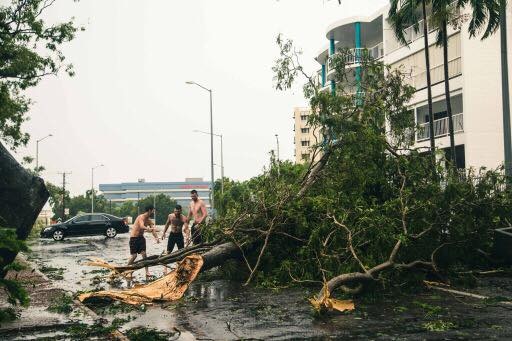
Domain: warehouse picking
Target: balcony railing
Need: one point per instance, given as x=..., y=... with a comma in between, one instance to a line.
x=377, y=51
x=440, y=127
x=411, y=36
x=419, y=80
x=355, y=56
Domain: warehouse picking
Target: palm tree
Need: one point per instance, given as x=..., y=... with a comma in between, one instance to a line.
x=402, y=14
x=489, y=15
x=442, y=13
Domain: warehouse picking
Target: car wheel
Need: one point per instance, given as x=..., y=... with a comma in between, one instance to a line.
x=58, y=235
x=111, y=232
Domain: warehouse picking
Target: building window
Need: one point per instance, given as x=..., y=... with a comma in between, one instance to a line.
x=304, y=143
x=303, y=117
x=304, y=130
x=305, y=156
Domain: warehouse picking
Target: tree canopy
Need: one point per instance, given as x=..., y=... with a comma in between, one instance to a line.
x=29, y=50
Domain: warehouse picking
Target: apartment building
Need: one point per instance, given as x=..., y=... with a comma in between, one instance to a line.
x=305, y=136
x=475, y=81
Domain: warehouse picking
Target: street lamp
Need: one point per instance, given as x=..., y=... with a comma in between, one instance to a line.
x=211, y=139
x=221, y=158
x=37, y=151
x=92, y=186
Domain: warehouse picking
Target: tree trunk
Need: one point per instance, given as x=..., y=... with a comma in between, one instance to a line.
x=22, y=196
x=212, y=256
x=429, y=84
x=447, y=96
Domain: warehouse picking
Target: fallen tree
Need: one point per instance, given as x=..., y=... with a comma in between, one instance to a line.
x=366, y=209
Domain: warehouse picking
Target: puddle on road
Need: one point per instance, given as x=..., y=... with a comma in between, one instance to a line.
x=72, y=254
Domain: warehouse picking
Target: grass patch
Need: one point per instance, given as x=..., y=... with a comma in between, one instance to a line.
x=83, y=331
x=400, y=309
x=145, y=334
x=8, y=314
x=438, y=326
x=99, y=271
x=110, y=308
x=62, y=305
x=53, y=273
x=430, y=310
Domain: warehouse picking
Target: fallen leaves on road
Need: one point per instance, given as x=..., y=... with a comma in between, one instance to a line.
x=170, y=287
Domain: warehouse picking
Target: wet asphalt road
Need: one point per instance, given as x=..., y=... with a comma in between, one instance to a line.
x=71, y=255
x=222, y=310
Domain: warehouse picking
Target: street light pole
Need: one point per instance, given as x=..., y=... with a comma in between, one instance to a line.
x=92, y=186
x=221, y=166
x=277, y=141
x=37, y=151
x=212, y=199
x=221, y=157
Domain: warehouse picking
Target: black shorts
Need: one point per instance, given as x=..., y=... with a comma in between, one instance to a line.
x=197, y=238
x=175, y=238
x=137, y=245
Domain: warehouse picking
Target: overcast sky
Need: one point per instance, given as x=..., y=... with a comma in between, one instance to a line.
x=129, y=108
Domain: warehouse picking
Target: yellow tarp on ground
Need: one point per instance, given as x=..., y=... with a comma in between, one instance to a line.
x=167, y=288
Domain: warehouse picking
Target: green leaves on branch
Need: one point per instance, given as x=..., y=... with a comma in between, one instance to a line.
x=29, y=50
x=16, y=294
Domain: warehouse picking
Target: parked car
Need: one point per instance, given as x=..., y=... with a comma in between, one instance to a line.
x=92, y=224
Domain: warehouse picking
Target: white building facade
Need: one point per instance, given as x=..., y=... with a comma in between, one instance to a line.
x=475, y=81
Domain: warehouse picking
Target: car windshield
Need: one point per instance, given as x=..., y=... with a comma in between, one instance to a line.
x=69, y=220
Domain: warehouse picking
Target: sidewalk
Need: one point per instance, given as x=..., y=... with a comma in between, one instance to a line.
x=36, y=321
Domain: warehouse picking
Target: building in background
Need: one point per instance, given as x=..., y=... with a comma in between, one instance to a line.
x=475, y=81
x=305, y=136
x=179, y=191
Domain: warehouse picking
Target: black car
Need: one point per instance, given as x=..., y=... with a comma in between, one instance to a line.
x=92, y=224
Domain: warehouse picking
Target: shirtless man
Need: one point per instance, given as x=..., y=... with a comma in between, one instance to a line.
x=142, y=224
x=179, y=224
x=197, y=210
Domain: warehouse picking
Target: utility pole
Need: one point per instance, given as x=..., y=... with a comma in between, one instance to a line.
x=64, y=194
x=507, y=140
x=92, y=186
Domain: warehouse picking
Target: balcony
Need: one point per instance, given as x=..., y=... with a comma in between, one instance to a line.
x=440, y=128
x=356, y=55
x=419, y=80
x=410, y=35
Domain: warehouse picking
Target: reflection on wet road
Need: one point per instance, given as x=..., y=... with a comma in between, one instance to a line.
x=72, y=254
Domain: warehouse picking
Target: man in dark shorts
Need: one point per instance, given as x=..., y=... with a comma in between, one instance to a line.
x=179, y=224
x=197, y=210
x=142, y=224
